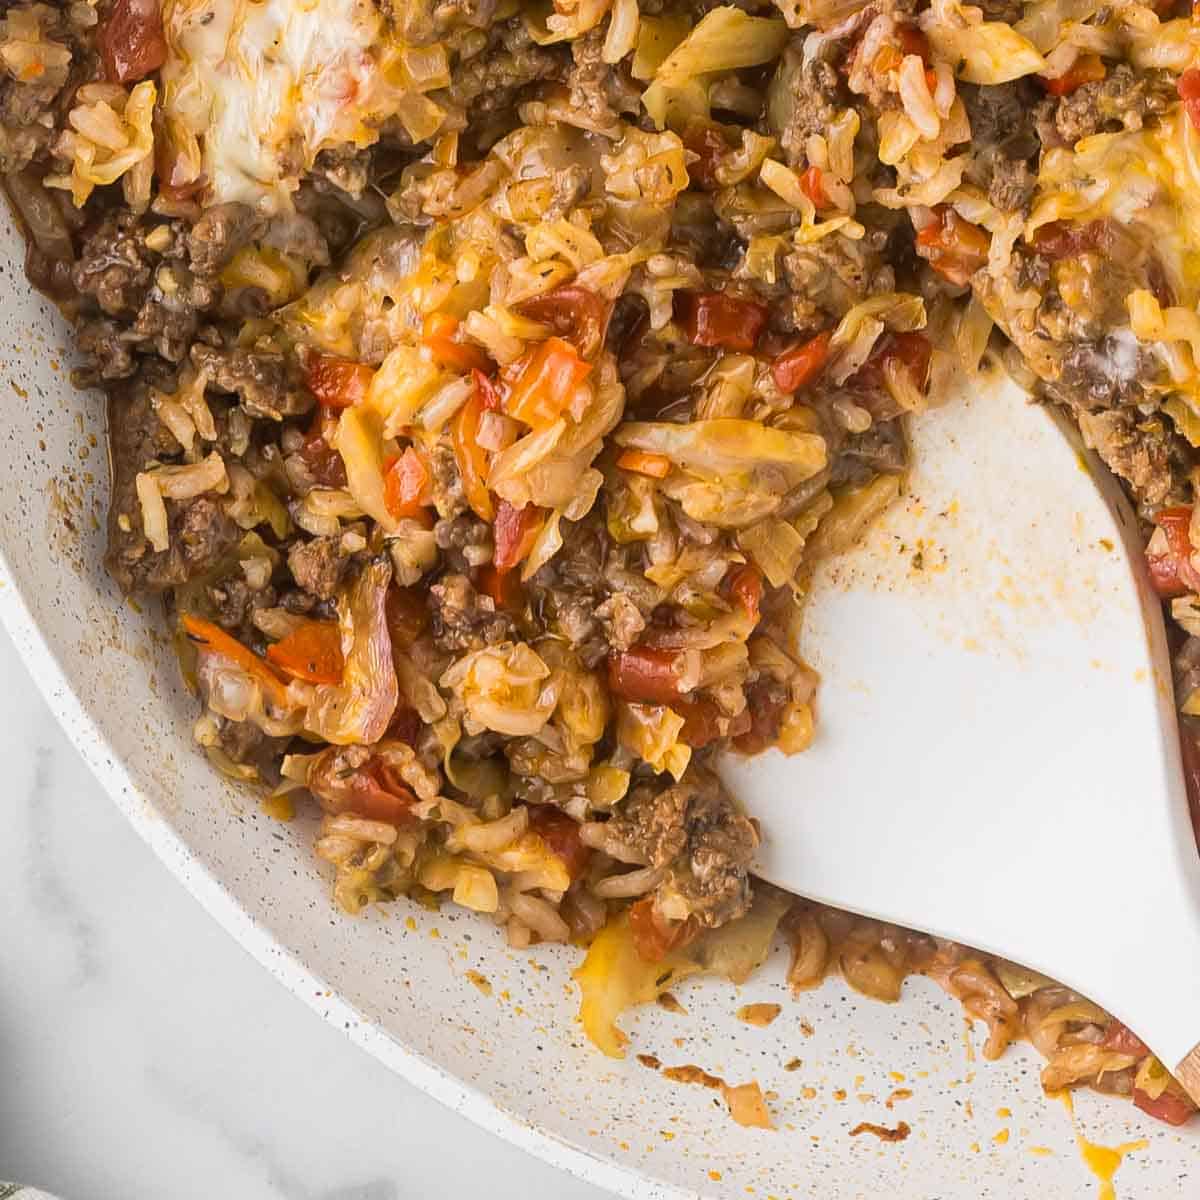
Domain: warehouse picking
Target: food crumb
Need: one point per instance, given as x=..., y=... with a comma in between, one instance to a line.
x=481, y=982
x=794, y=1065
x=974, y=1147
x=410, y=924
x=692, y=1074
x=898, y=1094
x=715, y=1176
x=747, y=1105
x=809, y=1093
x=760, y=1015
x=1004, y=1113
x=1040, y=1151
x=806, y=1029
x=865, y=1097
x=648, y=1060
x=839, y=1094
x=669, y=1002
x=882, y=1132
x=896, y=1076
x=1000, y=1137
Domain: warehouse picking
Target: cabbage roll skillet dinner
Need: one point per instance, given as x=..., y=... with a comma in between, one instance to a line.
x=485, y=377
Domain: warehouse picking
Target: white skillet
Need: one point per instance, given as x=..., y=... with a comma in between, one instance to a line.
x=996, y=758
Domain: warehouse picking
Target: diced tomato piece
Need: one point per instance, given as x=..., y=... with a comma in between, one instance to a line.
x=798, y=367
x=406, y=614
x=1057, y=239
x=574, y=313
x=542, y=382
x=644, y=675
x=213, y=638
x=438, y=343
x=406, y=725
x=719, y=319
x=952, y=246
x=703, y=719
x=765, y=706
x=337, y=382
x=514, y=531
x=746, y=588
x=706, y=141
x=913, y=41
x=377, y=803
x=131, y=40
x=1188, y=88
x=471, y=457
x=1170, y=1107
x=324, y=463
x=504, y=587
x=373, y=791
x=644, y=462
x=406, y=486
x=911, y=350
x=1088, y=68
x=1169, y=556
x=813, y=186
x=654, y=938
x=312, y=652
x=1123, y=1040
x=561, y=833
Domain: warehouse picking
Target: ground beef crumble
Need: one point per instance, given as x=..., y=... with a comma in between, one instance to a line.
x=695, y=831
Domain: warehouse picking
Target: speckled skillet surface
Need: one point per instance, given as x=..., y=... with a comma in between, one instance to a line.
x=438, y=997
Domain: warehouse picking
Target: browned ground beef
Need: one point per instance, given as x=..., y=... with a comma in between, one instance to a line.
x=268, y=384
x=201, y=533
x=595, y=88
x=805, y=97
x=319, y=565
x=490, y=81
x=695, y=831
x=214, y=239
x=463, y=619
x=1005, y=142
x=1124, y=99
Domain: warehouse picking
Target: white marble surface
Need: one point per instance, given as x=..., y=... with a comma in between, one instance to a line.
x=144, y=1054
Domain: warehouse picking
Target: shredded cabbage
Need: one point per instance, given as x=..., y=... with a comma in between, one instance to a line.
x=652, y=733
x=359, y=709
x=990, y=52
x=725, y=39
x=505, y=688
x=614, y=977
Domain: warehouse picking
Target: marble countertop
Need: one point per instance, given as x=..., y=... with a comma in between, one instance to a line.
x=144, y=1054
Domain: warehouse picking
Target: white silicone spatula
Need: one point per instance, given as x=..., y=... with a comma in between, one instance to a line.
x=997, y=758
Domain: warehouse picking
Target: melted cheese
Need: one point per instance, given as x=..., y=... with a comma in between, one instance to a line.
x=255, y=89
x=1149, y=179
